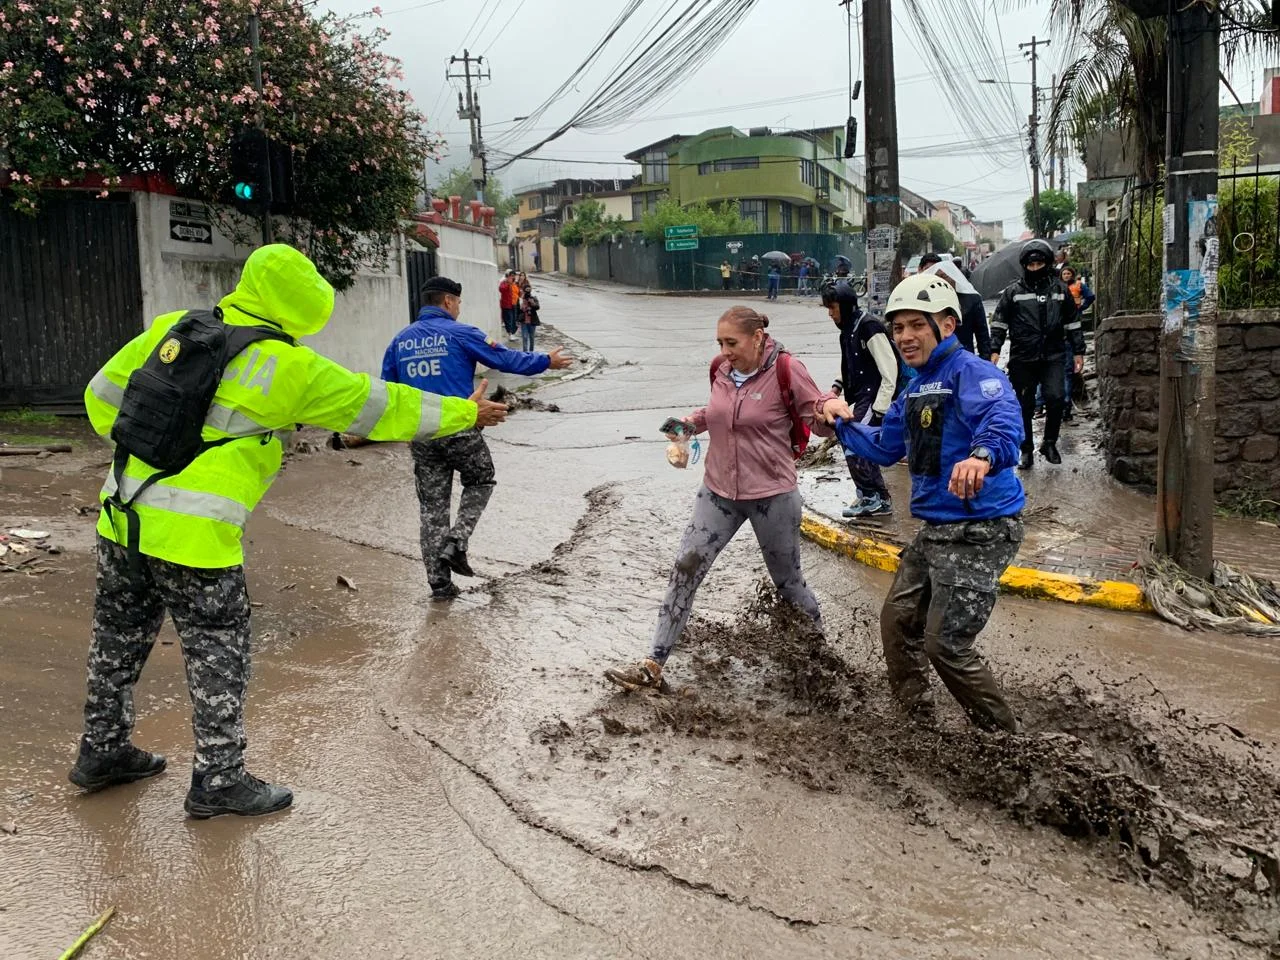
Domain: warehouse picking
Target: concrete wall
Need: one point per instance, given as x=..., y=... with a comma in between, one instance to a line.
x=182, y=273
x=179, y=272
x=1247, y=432
x=467, y=255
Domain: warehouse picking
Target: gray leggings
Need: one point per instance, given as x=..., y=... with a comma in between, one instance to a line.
x=776, y=522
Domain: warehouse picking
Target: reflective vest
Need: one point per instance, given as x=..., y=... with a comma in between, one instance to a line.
x=197, y=517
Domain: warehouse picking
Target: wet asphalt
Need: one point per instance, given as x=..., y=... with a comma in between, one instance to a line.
x=458, y=790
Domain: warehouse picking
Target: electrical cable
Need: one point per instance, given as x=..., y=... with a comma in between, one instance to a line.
x=494, y=41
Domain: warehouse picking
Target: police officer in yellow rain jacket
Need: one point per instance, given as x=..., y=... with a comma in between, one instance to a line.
x=188, y=558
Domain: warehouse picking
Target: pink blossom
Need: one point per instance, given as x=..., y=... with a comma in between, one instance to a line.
x=128, y=34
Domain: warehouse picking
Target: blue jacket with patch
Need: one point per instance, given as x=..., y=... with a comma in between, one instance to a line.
x=957, y=401
x=438, y=354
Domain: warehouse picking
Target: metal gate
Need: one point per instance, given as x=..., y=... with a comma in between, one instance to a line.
x=70, y=296
x=421, y=267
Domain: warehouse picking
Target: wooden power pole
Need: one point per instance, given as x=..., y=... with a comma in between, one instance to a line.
x=884, y=210
x=1188, y=338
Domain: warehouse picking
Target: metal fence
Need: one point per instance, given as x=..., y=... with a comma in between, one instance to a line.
x=1131, y=260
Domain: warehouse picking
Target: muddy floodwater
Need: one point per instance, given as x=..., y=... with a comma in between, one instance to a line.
x=467, y=785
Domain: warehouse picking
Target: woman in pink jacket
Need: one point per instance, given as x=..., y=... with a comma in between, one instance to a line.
x=750, y=478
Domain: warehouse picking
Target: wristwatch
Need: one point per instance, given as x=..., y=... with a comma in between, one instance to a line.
x=981, y=453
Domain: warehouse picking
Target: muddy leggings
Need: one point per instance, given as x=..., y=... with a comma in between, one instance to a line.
x=776, y=522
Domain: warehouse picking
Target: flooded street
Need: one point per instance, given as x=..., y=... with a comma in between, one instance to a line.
x=467, y=784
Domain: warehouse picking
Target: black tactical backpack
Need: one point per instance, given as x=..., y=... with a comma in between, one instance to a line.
x=167, y=399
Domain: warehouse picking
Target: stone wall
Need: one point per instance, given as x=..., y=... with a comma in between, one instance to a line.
x=1247, y=431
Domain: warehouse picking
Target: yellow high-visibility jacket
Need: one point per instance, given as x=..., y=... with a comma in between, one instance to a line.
x=197, y=517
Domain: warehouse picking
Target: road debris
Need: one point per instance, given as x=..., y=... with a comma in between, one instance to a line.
x=39, y=451
x=348, y=583
x=89, y=934
x=9, y=827
x=24, y=534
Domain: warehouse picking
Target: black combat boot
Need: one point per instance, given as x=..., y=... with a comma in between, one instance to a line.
x=445, y=591
x=245, y=796
x=1050, y=452
x=97, y=770
x=455, y=559
x=1026, y=461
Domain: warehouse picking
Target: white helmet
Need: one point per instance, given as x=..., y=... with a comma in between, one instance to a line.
x=926, y=292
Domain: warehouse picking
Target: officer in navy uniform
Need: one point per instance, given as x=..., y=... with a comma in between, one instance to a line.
x=959, y=426
x=438, y=350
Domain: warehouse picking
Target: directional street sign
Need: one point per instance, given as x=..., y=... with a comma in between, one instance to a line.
x=190, y=231
x=688, y=243
x=684, y=230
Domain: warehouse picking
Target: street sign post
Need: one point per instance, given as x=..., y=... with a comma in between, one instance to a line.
x=684, y=230
x=685, y=243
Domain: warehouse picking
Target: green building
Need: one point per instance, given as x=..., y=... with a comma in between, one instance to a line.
x=792, y=182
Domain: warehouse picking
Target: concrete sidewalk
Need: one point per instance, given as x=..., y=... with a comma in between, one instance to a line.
x=1085, y=530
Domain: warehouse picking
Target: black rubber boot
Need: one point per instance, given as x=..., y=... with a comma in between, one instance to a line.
x=1050, y=452
x=98, y=770
x=247, y=796
x=1026, y=461
x=456, y=560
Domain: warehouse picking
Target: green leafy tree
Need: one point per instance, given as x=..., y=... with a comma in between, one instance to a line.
x=590, y=226
x=458, y=183
x=940, y=238
x=1057, y=210
x=913, y=237
x=1119, y=79
x=90, y=92
x=712, y=221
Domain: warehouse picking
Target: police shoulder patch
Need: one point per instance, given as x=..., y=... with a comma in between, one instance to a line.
x=991, y=388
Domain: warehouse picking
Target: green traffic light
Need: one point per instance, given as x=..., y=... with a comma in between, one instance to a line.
x=244, y=191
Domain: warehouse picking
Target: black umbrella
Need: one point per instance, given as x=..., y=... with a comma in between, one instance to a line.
x=998, y=271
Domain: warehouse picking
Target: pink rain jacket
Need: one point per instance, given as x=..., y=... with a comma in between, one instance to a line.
x=750, y=454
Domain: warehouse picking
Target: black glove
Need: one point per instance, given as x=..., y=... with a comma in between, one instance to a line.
x=876, y=419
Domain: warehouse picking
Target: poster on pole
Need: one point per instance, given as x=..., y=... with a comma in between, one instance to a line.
x=882, y=243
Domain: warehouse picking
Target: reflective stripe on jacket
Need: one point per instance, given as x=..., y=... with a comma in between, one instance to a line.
x=196, y=517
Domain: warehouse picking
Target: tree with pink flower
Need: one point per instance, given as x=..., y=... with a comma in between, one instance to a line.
x=98, y=90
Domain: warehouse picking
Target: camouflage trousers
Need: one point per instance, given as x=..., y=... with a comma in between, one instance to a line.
x=776, y=524
x=940, y=600
x=434, y=464
x=210, y=609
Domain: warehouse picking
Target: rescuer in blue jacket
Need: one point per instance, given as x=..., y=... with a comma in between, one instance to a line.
x=960, y=426
x=438, y=350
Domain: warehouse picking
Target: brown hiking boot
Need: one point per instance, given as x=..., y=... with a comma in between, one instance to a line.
x=643, y=674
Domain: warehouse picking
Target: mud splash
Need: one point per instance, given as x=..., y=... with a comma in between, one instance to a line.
x=1182, y=806
x=522, y=401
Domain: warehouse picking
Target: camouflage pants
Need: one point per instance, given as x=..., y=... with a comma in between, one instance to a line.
x=940, y=600
x=210, y=609
x=776, y=523
x=434, y=464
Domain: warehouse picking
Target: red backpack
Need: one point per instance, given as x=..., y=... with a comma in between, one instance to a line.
x=799, y=429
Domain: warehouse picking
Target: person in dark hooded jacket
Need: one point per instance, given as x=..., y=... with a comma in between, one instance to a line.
x=869, y=376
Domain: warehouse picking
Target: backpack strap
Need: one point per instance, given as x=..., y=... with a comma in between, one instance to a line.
x=784, y=384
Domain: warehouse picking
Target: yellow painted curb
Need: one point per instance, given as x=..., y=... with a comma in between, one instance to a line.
x=1023, y=581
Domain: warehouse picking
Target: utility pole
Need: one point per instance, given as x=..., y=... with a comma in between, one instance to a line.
x=257, y=122
x=1188, y=338
x=884, y=210
x=469, y=110
x=1053, y=143
x=1033, y=129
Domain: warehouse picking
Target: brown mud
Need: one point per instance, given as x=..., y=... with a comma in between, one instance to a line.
x=1174, y=803
x=516, y=401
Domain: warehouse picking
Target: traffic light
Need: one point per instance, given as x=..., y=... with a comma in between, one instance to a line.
x=250, y=171
x=261, y=173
